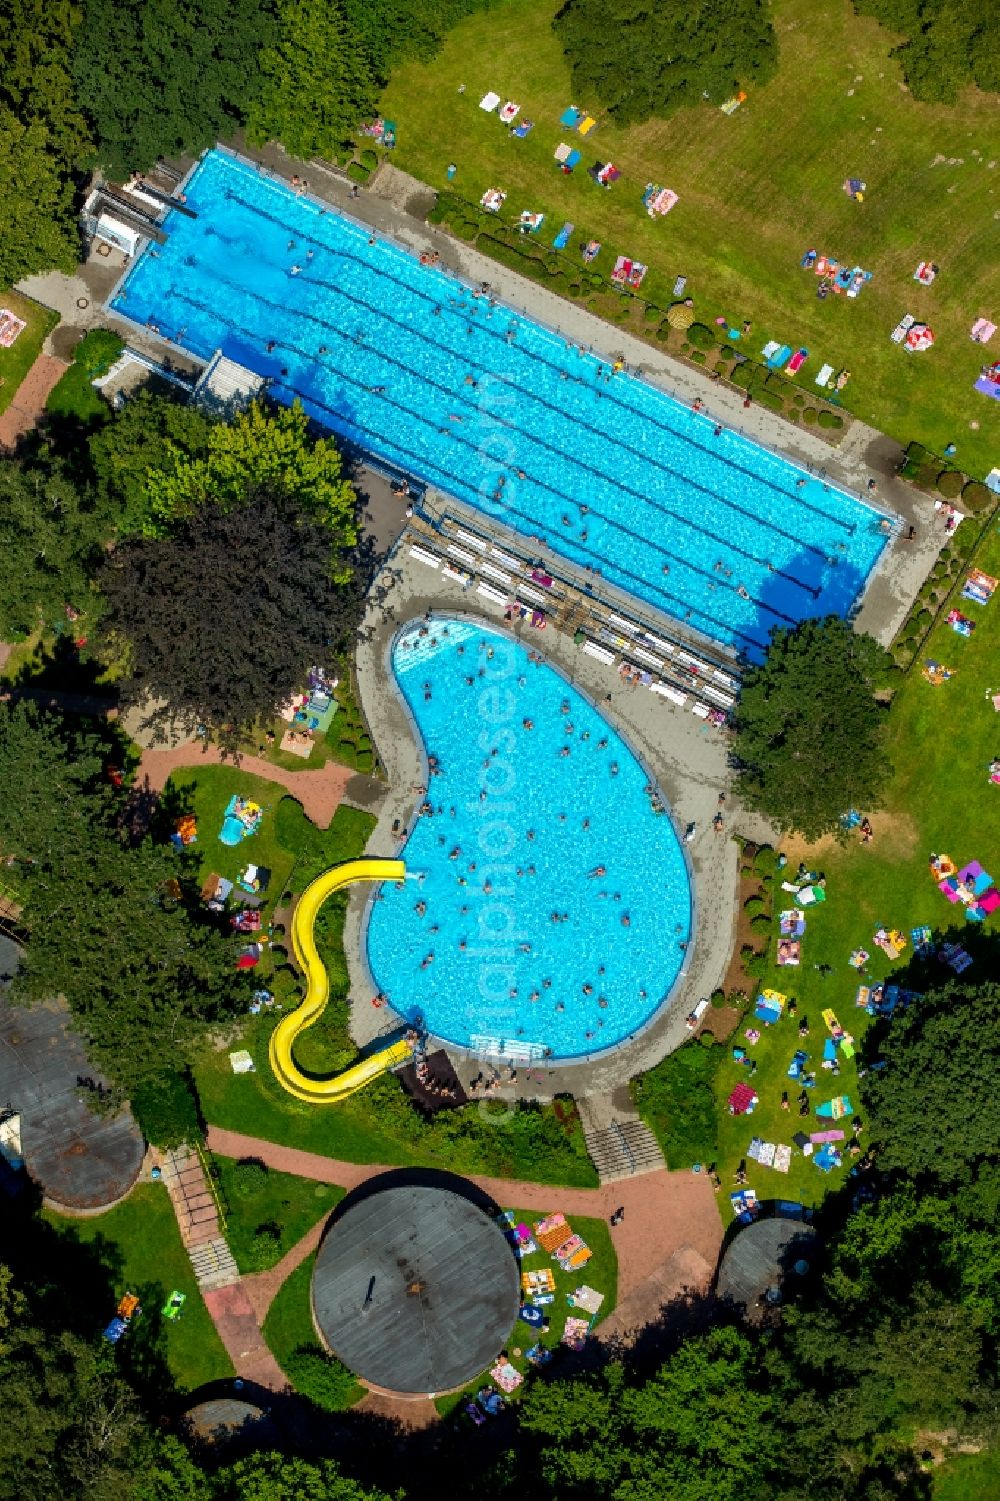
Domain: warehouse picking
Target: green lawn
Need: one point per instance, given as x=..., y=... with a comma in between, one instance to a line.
x=140, y=1240
x=600, y=1273
x=16, y=361
x=291, y=1338
x=940, y=800
x=756, y=190
x=292, y=1205
x=205, y=791
x=968, y=1477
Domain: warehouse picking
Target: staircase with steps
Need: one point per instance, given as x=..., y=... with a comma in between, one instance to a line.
x=214, y=1265
x=623, y=1149
x=198, y=1218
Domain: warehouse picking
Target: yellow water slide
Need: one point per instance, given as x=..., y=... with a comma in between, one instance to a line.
x=327, y=1091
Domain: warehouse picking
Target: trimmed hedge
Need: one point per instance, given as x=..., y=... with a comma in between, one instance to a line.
x=700, y=336
x=976, y=496
x=357, y=173
x=830, y=419
x=949, y=484
x=743, y=375
x=369, y=158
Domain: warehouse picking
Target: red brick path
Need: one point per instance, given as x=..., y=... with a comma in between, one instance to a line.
x=29, y=402
x=234, y=1317
x=318, y=791
x=668, y=1242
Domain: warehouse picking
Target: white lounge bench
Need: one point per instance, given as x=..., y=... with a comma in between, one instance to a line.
x=600, y=652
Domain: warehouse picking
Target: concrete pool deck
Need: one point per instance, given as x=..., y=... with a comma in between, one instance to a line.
x=688, y=759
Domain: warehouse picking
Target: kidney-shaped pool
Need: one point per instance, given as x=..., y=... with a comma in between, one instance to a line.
x=553, y=908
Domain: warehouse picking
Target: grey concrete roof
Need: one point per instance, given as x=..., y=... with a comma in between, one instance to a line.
x=444, y=1288
x=761, y=1256
x=79, y=1159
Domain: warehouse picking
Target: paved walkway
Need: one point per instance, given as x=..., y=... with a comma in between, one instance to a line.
x=667, y=1244
x=29, y=402
x=320, y=792
x=235, y=1318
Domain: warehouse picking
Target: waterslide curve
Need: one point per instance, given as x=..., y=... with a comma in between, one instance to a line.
x=329, y=1090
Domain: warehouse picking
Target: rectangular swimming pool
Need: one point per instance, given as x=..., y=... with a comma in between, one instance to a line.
x=406, y=361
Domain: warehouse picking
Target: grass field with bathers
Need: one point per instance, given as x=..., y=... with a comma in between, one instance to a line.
x=757, y=189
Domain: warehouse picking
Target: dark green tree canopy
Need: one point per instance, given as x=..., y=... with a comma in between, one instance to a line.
x=932, y=1109
x=168, y=77
x=948, y=45
x=44, y=141
x=637, y=59
x=51, y=535
x=808, y=732
x=115, y=928
x=222, y=619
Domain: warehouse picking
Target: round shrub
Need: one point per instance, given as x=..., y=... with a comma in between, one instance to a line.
x=663, y=333
x=323, y=1380
x=249, y=1177
x=976, y=496
x=700, y=336
x=760, y=923
x=358, y=173
x=685, y=347
x=265, y=1248
x=698, y=357
x=809, y=416
x=726, y=352
x=369, y=158
x=707, y=1038
x=949, y=484
x=652, y=314
x=742, y=375
x=574, y=289
x=827, y=419
x=765, y=861
x=922, y=619
x=596, y=279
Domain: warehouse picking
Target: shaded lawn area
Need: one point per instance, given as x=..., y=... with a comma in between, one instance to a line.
x=968, y=1477
x=291, y=1205
x=16, y=361
x=941, y=800
x=600, y=1273
x=756, y=190
x=205, y=792
x=140, y=1240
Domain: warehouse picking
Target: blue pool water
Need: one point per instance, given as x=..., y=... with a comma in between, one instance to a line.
x=409, y=362
x=502, y=970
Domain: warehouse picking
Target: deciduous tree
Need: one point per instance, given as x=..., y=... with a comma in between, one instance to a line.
x=168, y=77
x=638, y=60
x=316, y=81
x=116, y=929
x=808, y=732
x=222, y=619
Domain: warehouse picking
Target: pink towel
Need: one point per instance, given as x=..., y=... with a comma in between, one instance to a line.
x=821, y=1136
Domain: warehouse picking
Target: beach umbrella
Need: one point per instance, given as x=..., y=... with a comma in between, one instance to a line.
x=681, y=315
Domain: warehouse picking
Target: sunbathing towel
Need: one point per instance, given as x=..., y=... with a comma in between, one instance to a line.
x=765, y=1154
x=817, y=1137
x=578, y=1259
x=823, y=378
x=566, y=1248
x=575, y=1333
x=546, y=1226
x=782, y=1159
x=753, y=1150
x=541, y=1280
x=587, y=1298
x=507, y=1377
x=793, y=922
x=789, y=952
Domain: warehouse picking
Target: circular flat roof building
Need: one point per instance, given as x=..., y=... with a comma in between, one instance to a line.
x=415, y=1288
x=760, y=1258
